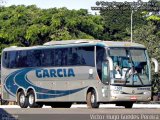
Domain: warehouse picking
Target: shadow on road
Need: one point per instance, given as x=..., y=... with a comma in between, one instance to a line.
x=7, y=116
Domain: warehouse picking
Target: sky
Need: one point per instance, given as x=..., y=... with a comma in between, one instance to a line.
x=70, y=4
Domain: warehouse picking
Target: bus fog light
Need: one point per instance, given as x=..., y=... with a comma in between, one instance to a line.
x=116, y=92
x=114, y=97
x=149, y=98
x=103, y=91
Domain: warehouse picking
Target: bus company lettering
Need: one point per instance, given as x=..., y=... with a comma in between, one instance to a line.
x=48, y=73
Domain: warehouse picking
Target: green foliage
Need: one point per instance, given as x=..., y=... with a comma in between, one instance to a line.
x=29, y=25
x=37, y=34
x=154, y=18
x=118, y=21
x=155, y=84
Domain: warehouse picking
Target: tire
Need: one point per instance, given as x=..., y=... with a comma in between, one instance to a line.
x=31, y=100
x=92, y=100
x=22, y=100
x=128, y=105
x=61, y=105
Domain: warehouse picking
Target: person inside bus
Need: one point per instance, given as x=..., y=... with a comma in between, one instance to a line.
x=117, y=70
x=140, y=67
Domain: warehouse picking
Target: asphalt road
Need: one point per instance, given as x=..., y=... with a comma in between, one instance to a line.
x=79, y=114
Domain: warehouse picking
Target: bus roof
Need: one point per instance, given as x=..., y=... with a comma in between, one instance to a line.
x=97, y=42
x=80, y=42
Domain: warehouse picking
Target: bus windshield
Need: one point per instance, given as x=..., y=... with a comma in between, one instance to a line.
x=130, y=66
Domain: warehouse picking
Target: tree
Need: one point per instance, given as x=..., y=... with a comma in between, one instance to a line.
x=118, y=20
x=28, y=25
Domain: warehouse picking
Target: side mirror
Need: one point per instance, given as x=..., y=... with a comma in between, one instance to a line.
x=155, y=65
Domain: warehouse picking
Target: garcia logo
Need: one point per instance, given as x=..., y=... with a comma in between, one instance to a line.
x=48, y=73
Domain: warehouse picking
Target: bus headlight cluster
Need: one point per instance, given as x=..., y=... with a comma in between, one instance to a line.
x=104, y=92
x=147, y=93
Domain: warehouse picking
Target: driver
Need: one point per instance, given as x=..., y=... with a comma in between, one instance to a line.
x=117, y=69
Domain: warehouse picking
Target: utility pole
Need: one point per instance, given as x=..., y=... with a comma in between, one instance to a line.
x=131, y=26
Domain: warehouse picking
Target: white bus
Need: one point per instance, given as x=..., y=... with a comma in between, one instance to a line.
x=61, y=73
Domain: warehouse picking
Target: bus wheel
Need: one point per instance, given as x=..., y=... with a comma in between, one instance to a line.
x=22, y=100
x=31, y=100
x=128, y=105
x=92, y=100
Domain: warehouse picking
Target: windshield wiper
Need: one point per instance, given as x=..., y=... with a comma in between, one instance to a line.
x=133, y=72
x=138, y=78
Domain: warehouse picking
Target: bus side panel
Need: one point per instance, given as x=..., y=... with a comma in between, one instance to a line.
x=59, y=83
x=70, y=88
x=70, y=83
x=86, y=80
x=9, y=87
x=82, y=81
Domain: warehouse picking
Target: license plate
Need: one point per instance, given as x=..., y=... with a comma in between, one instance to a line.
x=133, y=98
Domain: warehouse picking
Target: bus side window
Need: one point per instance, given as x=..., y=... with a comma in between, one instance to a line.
x=5, y=59
x=47, y=57
x=52, y=57
x=64, y=57
x=75, y=59
x=58, y=57
x=22, y=59
x=30, y=58
x=88, y=56
x=81, y=56
x=34, y=58
x=13, y=59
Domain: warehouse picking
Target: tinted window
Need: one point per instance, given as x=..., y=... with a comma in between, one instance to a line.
x=58, y=57
x=13, y=59
x=5, y=59
x=22, y=59
x=73, y=56
x=49, y=57
x=81, y=56
x=86, y=56
x=34, y=58
x=64, y=57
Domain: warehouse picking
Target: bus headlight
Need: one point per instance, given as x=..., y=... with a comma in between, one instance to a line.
x=104, y=92
x=147, y=93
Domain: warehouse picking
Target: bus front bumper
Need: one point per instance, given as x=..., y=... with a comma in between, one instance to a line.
x=131, y=97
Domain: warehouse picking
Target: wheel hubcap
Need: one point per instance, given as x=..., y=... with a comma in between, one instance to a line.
x=92, y=98
x=22, y=99
x=31, y=99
